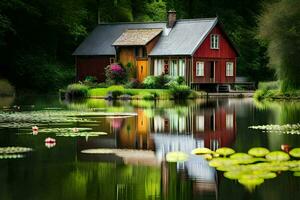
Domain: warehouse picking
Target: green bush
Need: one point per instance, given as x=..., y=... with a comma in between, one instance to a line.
x=116, y=93
x=76, y=91
x=272, y=85
x=6, y=89
x=180, y=91
x=102, y=85
x=156, y=82
x=133, y=83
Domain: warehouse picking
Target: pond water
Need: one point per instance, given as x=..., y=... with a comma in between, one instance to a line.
x=134, y=138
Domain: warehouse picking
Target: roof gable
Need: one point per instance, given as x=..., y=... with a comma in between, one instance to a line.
x=137, y=37
x=184, y=38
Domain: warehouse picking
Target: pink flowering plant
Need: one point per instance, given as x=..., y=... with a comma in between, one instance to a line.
x=115, y=74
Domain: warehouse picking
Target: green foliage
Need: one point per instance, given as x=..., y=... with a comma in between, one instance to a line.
x=41, y=73
x=133, y=83
x=272, y=85
x=116, y=93
x=6, y=89
x=77, y=91
x=156, y=82
x=280, y=28
x=180, y=91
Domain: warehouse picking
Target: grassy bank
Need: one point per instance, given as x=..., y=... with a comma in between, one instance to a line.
x=120, y=92
x=272, y=91
x=146, y=94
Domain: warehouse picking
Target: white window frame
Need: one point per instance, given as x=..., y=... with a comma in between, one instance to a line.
x=158, y=67
x=214, y=41
x=200, y=123
x=229, y=121
x=199, y=68
x=229, y=68
x=181, y=67
x=174, y=67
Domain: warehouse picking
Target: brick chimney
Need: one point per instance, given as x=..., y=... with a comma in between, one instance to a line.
x=171, y=18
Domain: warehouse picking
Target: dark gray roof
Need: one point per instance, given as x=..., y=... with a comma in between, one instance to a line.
x=182, y=39
x=100, y=41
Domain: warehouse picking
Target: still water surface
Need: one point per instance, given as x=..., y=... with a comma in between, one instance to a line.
x=62, y=171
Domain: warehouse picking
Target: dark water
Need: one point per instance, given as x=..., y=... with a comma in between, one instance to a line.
x=63, y=172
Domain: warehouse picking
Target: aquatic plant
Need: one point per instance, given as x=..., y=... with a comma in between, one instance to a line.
x=285, y=129
x=258, y=151
x=277, y=156
x=199, y=151
x=13, y=152
x=252, y=168
x=225, y=151
x=295, y=152
x=176, y=156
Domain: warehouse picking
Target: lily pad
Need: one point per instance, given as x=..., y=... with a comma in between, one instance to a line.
x=14, y=150
x=250, y=180
x=225, y=151
x=233, y=174
x=219, y=162
x=295, y=152
x=277, y=156
x=296, y=174
x=296, y=169
x=207, y=156
x=176, y=156
x=81, y=134
x=258, y=151
x=199, y=151
x=11, y=156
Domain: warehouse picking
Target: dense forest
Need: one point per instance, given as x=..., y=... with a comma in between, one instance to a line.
x=37, y=37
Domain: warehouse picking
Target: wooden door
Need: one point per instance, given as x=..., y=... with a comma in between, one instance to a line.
x=142, y=69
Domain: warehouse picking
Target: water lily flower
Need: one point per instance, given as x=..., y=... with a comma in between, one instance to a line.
x=50, y=145
x=35, y=128
x=75, y=130
x=50, y=140
x=285, y=147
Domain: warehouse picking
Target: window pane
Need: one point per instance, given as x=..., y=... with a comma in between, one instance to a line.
x=200, y=69
x=200, y=123
x=181, y=67
x=174, y=68
x=229, y=68
x=229, y=121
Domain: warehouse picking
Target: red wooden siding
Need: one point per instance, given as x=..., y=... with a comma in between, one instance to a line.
x=225, y=53
x=91, y=66
x=224, y=135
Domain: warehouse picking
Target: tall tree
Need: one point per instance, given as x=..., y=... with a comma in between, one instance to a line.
x=280, y=27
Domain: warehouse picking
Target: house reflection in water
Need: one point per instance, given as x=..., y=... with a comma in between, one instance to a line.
x=210, y=124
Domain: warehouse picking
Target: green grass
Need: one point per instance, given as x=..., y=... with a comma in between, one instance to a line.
x=272, y=91
x=135, y=93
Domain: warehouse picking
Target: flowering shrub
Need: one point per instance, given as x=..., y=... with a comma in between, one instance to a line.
x=115, y=74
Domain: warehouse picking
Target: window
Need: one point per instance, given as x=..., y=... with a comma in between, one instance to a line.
x=229, y=121
x=200, y=123
x=214, y=41
x=229, y=68
x=174, y=68
x=200, y=69
x=159, y=124
x=158, y=67
x=181, y=67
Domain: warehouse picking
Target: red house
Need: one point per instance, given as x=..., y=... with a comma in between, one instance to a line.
x=197, y=49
